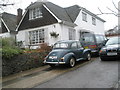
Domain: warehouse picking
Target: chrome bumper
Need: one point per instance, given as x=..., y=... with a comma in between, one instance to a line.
x=53, y=62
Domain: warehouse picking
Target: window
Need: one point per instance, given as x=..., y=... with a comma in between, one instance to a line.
x=84, y=16
x=71, y=34
x=36, y=36
x=74, y=45
x=93, y=21
x=79, y=45
x=60, y=45
x=99, y=38
x=35, y=13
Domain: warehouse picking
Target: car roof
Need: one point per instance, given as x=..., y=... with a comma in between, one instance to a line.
x=67, y=41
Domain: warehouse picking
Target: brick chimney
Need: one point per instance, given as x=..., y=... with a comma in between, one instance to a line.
x=19, y=15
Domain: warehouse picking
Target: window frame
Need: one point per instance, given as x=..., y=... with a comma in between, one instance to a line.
x=84, y=16
x=35, y=13
x=93, y=20
x=37, y=36
x=71, y=34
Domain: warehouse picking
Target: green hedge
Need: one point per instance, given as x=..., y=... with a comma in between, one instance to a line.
x=9, y=48
x=8, y=52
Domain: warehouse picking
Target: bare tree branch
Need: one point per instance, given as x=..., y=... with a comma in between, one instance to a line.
x=101, y=13
x=115, y=5
x=112, y=11
x=4, y=5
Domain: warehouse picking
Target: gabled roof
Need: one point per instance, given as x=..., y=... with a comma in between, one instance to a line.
x=73, y=12
x=9, y=21
x=65, y=14
x=58, y=11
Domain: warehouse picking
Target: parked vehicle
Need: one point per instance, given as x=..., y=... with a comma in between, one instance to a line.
x=67, y=52
x=111, y=50
x=93, y=41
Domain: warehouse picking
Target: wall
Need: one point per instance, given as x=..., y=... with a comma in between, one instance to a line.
x=3, y=35
x=82, y=25
x=60, y=29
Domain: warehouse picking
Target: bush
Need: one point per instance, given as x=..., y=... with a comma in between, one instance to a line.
x=9, y=49
x=7, y=42
x=8, y=52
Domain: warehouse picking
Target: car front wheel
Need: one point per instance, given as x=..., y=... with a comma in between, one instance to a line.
x=52, y=65
x=88, y=56
x=103, y=59
x=72, y=62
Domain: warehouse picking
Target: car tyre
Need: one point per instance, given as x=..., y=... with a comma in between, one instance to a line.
x=52, y=65
x=88, y=57
x=102, y=59
x=72, y=62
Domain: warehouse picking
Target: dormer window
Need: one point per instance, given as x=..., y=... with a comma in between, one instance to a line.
x=35, y=13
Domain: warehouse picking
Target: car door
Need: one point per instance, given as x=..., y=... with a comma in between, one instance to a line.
x=77, y=50
x=80, y=50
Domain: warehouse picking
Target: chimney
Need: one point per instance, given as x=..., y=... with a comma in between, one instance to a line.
x=19, y=15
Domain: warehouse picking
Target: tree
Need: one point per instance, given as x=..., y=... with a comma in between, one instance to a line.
x=112, y=11
x=5, y=3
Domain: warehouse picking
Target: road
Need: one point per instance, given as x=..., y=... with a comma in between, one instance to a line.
x=97, y=74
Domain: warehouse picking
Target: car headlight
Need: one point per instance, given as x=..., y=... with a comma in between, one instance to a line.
x=102, y=50
x=62, y=58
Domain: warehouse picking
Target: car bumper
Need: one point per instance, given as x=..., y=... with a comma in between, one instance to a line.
x=105, y=56
x=45, y=62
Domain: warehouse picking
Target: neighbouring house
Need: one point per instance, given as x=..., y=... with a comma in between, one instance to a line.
x=112, y=32
x=45, y=22
x=8, y=24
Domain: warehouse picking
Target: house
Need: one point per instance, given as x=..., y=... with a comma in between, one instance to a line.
x=112, y=32
x=45, y=22
x=7, y=25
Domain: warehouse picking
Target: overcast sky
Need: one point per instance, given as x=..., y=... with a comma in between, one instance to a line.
x=91, y=5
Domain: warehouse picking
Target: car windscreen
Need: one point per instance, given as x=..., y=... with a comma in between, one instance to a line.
x=112, y=41
x=60, y=45
x=88, y=38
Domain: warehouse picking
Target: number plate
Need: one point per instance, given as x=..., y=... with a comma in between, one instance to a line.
x=86, y=47
x=111, y=54
x=53, y=57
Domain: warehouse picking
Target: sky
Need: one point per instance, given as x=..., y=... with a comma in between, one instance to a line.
x=91, y=5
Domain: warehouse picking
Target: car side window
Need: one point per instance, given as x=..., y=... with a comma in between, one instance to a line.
x=79, y=45
x=74, y=45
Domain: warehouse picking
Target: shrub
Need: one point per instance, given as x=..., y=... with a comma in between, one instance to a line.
x=8, y=52
x=9, y=48
x=7, y=42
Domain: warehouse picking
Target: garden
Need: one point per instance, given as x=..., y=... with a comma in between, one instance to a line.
x=15, y=59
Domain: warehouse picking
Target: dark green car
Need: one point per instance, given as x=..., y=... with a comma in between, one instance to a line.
x=67, y=52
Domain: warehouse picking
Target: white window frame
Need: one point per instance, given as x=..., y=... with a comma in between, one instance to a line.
x=71, y=34
x=37, y=36
x=84, y=16
x=93, y=21
x=35, y=13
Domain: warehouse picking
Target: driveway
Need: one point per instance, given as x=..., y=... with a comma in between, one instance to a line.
x=97, y=74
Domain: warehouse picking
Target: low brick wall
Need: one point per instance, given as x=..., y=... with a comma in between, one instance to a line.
x=22, y=62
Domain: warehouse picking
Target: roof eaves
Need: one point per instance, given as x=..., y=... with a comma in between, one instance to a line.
x=21, y=20
x=68, y=23
x=52, y=13
x=92, y=14
x=5, y=25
